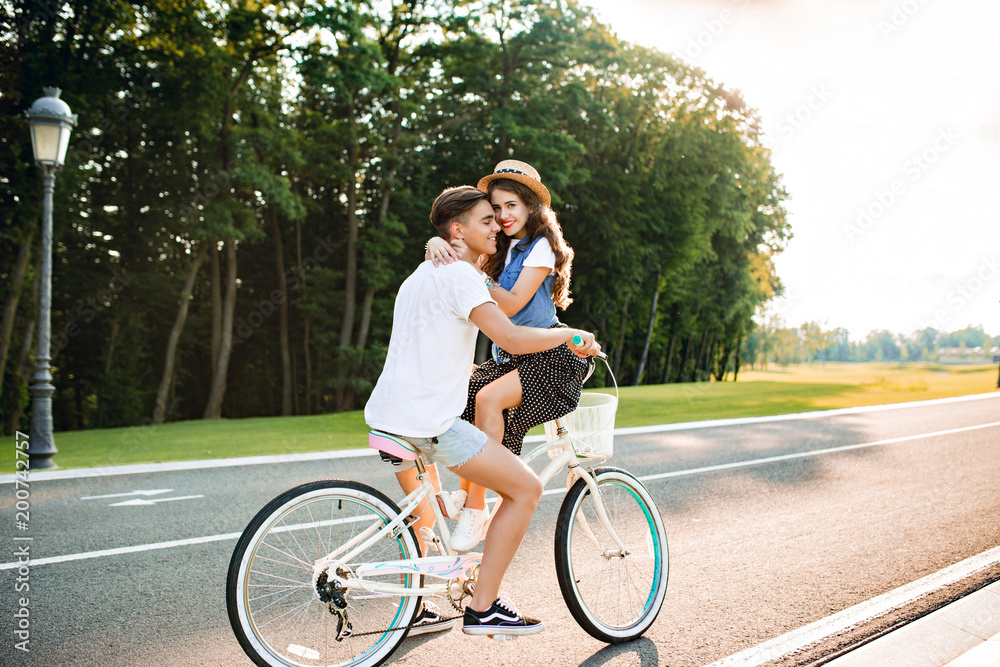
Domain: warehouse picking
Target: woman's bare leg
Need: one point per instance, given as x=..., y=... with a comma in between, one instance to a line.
x=520, y=489
x=491, y=401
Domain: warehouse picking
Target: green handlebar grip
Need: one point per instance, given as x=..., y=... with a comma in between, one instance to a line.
x=577, y=340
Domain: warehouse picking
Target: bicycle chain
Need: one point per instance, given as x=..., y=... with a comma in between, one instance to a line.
x=467, y=589
x=401, y=627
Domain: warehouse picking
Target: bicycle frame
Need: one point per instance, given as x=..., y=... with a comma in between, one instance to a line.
x=331, y=570
x=452, y=566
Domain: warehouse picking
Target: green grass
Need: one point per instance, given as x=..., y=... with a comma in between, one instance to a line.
x=193, y=440
x=800, y=388
x=780, y=390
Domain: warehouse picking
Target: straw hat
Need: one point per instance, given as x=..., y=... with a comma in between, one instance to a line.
x=522, y=172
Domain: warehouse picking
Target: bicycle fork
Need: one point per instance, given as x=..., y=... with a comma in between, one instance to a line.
x=602, y=516
x=568, y=458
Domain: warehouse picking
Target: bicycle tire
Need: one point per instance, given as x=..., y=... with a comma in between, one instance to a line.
x=614, y=598
x=273, y=607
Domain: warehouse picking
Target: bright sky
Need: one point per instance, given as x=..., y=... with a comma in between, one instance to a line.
x=884, y=119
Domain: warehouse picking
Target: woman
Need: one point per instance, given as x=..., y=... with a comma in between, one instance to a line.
x=529, y=278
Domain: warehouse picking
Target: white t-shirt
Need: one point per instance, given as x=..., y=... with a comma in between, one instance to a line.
x=541, y=255
x=425, y=381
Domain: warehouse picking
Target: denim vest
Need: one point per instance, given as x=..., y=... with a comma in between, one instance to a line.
x=540, y=311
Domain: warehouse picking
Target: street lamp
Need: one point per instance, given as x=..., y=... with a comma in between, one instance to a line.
x=51, y=122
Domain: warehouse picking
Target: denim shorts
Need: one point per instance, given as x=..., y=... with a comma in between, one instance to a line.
x=452, y=448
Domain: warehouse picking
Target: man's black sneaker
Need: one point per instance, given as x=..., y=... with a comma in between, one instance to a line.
x=430, y=620
x=500, y=619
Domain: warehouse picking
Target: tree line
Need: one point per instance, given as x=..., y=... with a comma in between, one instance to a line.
x=773, y=342
x=250, y=182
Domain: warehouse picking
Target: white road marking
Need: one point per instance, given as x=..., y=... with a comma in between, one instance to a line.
x=352, y=453
x=798, y=455
x=143, y=501
x=818, y=452
x=859, y=614
x=125, y=550
x=302, y=651
x=644, y=478
x=154, y=492
x=87, y=555
x=180, y=466
x=816, y=414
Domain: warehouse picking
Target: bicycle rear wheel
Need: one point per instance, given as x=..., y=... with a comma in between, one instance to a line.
x=615, y=597
x=273, y=606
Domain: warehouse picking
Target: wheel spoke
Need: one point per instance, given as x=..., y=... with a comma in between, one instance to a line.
x=613, y=597
x=274, y=607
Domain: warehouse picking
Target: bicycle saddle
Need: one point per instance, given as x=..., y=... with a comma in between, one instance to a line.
x=392, y=448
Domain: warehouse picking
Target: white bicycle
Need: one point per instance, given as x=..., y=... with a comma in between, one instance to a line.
x=329, y=573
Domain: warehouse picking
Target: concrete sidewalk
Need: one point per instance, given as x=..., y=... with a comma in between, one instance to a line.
x=965, y=633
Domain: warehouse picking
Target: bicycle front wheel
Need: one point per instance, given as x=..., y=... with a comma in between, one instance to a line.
x=614, y=595
x=273, y=605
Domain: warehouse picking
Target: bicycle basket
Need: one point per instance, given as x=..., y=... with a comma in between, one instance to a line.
x=591, y=426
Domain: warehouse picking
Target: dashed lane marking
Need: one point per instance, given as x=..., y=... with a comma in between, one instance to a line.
x=150, y=492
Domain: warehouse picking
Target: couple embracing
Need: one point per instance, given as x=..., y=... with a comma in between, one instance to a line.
x=500, y=266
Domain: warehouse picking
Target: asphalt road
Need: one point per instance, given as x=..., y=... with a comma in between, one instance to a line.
x=756, y=550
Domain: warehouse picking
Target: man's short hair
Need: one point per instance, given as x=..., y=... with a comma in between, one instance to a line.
x=452, y=205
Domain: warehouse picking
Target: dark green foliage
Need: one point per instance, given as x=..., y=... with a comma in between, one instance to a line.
x=314, y=137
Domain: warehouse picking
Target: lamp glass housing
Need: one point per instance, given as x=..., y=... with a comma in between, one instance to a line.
x=50, y=141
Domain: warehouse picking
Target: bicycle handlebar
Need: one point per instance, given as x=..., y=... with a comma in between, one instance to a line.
x=578, y=340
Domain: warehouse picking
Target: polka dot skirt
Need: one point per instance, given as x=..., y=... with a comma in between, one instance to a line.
x=551, y=383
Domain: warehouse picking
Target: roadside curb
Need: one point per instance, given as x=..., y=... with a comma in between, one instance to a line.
x=78, y=473
x=965, y=633
x=904, y=641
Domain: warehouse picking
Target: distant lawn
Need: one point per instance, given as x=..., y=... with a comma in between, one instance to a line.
x=801, y=388
x=779, y=390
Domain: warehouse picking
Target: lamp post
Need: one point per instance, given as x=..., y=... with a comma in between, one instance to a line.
x=51, y=123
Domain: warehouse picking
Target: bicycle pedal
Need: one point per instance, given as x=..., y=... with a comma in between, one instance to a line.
x=431, y=540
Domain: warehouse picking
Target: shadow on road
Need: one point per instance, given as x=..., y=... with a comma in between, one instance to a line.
x=644, y=648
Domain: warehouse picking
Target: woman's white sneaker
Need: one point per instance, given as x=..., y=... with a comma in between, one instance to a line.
x=451, y=503
x=470, y=530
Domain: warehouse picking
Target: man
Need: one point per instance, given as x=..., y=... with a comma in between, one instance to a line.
x=423, y=389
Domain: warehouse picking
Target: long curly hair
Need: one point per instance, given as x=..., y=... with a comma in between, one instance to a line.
x=541, y=222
